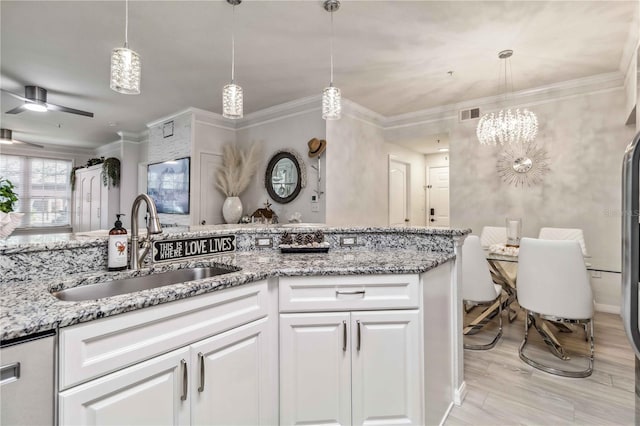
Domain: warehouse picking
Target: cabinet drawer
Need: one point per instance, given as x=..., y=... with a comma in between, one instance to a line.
x=358, y=292
x=93, y=349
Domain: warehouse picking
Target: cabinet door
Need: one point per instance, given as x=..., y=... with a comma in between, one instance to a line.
x=231, y=380
x=315, y=376
x=149, y=393
x=386, y=367
x=95, y=199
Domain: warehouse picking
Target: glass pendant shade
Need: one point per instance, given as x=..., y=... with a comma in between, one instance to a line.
x=506, y=126
x=125, y=71
x=232, y=101
x=331, y=103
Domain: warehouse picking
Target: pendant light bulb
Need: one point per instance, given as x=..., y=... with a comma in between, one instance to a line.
x=126, y=66
x=232, y=97
x=331, y=96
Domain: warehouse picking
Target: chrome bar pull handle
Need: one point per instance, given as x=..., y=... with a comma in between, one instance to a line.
x=185, y=380
x=201, y=361
x=359, y=336
x=344, y=336
x=339, y=292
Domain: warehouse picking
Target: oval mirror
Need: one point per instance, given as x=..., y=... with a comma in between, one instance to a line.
x=284, y=177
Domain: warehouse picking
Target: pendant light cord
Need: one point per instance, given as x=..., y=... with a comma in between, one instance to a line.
x=233, y=45
x=331, y=49
x=126, y=23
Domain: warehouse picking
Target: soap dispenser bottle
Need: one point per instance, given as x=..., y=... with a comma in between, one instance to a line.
x=117, y=247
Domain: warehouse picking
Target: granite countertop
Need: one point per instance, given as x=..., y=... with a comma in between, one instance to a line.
x=28, y=307
x=30, y=243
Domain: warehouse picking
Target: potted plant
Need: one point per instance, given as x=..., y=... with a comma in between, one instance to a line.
x=111, y=172
x=233, y=177
x=9, y=220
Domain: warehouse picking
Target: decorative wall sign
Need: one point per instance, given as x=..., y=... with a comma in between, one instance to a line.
x=523, y=164
x=195, y=247
x=167, y=129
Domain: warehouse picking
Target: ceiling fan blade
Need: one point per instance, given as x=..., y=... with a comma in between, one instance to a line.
x=69, y=110
x=28, y=143
x=22, y=98
x=16, y=110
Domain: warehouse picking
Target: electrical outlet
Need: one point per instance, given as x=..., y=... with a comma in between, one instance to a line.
x=596, y=274
x=348, y=241
x=264, y=242
x=315, y=206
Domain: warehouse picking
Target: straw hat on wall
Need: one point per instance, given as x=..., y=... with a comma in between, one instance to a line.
x=316, y=147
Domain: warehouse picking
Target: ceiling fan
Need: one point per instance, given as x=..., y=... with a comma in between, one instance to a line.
x=6, y=138
x=35, y=99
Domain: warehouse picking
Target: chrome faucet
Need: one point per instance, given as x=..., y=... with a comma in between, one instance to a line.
x=153, y=227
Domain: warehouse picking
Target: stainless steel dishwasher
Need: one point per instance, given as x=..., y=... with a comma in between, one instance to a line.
x=27, y=381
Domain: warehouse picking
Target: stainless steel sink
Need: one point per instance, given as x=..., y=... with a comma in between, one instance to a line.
x=130, y=285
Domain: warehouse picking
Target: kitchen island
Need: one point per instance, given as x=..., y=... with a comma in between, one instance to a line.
x=374, y=284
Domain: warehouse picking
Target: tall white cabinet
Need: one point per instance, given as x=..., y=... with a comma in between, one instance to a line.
x=94, y=205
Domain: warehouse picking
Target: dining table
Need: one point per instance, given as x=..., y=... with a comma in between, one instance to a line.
x=503, y=263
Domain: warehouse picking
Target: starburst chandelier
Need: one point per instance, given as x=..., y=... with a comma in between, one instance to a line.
x=507, y=126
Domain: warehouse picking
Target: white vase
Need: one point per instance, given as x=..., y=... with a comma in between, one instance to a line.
x=232, y=209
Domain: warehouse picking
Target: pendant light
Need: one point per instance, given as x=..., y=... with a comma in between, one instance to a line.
x=125, y=64
x=507, y=126
x=331, y=97
x=232, y=93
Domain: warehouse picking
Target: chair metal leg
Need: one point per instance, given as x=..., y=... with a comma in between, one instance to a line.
x=476, y=327
x=530, y=319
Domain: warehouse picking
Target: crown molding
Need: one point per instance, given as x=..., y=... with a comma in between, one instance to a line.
x=358, y=112
x=132, y=137
x=212, y=119
x=535, y=95
x=280, y=112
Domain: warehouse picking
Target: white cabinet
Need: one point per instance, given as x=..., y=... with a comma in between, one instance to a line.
x=231, y=378
x=149, y=393
x=360, y=367
x=208, y=360
x=95, y=205
x=315, y=369
x=385, y=364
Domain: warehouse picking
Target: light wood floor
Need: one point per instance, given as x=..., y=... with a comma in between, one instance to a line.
x=503, y=390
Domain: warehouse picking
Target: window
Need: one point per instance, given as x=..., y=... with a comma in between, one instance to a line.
x=43, y=188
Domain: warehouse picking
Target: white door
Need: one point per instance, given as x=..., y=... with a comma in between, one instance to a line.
x=398, y=193
x=148, y=393
x=386, y=368
x=231, y=381
x=211, y=198
x=315, y=373
x=438, y=197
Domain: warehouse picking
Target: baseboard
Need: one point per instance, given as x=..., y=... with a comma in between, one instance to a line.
x=446, y=414
x=460, y=393
x=609, y=309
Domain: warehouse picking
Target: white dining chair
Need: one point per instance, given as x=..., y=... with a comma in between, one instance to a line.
x=574, y=234
x=493, y=235
x=553, y=285
x=479, y=289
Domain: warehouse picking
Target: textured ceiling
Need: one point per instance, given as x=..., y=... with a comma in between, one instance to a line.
x=390, y=56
